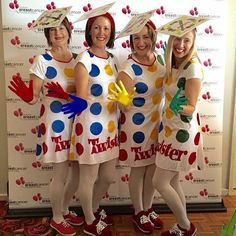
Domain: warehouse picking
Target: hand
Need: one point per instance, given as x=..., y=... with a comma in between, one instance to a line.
x=19, y=87
x=55, y=90
x=177, y=102
x=121, y=95
x=75, y=107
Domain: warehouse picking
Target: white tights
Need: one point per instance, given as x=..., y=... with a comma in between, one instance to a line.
x=94, y=183
x=62, y=187
x=168, y=185
x=141, y=188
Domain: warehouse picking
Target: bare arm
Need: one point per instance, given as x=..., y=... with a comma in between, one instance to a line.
x=81, y=81
x=37, y=88
x=192, y=91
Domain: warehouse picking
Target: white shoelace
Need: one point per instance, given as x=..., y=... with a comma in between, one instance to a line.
x=177, y=231
x=144, y=219
x=103, y=214
x=65, y=224
x=153, y=215
x=72, y=213
x=100, y=227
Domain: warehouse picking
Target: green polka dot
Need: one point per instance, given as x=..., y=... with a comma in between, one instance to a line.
x=181, y=82
x=182, y=136
x=186, y=119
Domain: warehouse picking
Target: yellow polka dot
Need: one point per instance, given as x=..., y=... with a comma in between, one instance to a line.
x=168, y=131
x=152, y=68
x=108, y=70
x=169, y=80
x=156, y=99
x=111, y=107
x=72, y=140
x=111, y=86
x=155, y=116
x=169, y=113
x=159, y=82
x=71, y=156
x=111, y=126
x=154, y=134
x=69, y=72
x=168, y=97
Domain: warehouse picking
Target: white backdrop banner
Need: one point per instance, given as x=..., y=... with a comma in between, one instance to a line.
x=29, y=179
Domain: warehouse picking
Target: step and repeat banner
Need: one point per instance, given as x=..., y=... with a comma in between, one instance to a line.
x=28, y=178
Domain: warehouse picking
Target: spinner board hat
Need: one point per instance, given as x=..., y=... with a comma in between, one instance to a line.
x=50, y=18
x=95, y=12
x=136, y=24
x=181, y=25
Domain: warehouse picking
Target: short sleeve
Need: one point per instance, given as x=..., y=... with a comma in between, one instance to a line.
x=85, y=59
x=126, y=67
x=38, y=68
x=194, y=69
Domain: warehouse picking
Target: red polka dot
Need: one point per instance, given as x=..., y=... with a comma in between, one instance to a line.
x=122, y=118
x=45, y=148
x=79, y=148
x=197, y=138
x=78, y=129
x=192, y=158
x=43, y=128
x=198, y=119
x=123, y=155
x=123, y=137
x=42, y=110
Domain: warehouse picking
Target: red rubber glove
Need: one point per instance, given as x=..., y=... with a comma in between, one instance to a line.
x=19, y=87
x=56, y=91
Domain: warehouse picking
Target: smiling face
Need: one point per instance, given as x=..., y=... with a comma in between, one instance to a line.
x=183, y=45
x=100, y=32
x=58, y=35
x=142, y=42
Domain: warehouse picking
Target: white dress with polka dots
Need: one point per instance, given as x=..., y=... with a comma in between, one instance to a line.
x=140, y=124
x=54, y=129
x=95, y=131
x=180, y=140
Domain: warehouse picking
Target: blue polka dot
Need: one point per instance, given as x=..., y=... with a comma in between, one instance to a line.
x=137, y=69
x=96, y=108
x=55, y=106
x=39, y=132
x=90, y=54
x=51, y=72
x=96, y=128
x=141, y=87
x=58, y=126
x=138, y=118
x=161, y=127
x=47, y=57
x=96, y=90
x=138, y=137
x=94, y=71
x=138, y=102
x=38, y=150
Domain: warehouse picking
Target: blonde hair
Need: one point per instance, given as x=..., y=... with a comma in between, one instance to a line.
x=170, y=57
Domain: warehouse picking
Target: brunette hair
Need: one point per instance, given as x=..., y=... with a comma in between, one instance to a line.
x=66, y=23
x=90, y=21
x=151, y=32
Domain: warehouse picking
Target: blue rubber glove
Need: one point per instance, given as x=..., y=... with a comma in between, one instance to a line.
x=177, y=102
x=75, y=107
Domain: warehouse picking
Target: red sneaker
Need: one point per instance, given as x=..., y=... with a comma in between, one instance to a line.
x=178, y=231
x=155, y=219
x=73, y=219
x=143, y=223
x=63, y=228
x=97, y=228
x=101, y=214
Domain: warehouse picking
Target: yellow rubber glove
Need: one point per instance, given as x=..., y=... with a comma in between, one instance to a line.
x=120, y=94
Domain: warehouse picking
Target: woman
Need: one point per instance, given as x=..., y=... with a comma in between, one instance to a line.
x=140, y=122
x=180, y=142
x=55, y=65
x=95, y=132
